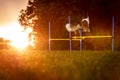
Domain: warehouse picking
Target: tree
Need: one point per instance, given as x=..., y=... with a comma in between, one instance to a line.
x=39, y=12
x=27, y=17
x=55, y=11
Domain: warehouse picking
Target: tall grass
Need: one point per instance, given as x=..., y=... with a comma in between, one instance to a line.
x=59, y=65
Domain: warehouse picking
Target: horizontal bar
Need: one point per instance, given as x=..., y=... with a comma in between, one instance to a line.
x=83, y=37
x=78, y=38
x=63, y=39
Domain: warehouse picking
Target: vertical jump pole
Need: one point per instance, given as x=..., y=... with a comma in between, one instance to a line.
x=70, y=36
x=49, y=36
x=80, y=40
x=112, y=33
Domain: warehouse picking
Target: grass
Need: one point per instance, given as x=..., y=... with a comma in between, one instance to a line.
x=59, y=65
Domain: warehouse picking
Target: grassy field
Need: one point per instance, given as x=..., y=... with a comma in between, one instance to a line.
x=59, y=65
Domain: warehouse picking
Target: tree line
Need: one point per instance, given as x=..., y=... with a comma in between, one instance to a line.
x=39, y=12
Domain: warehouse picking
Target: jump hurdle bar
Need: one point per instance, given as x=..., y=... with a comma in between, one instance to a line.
x=80, y=38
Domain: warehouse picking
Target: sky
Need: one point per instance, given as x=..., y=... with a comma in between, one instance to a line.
x=9, y=10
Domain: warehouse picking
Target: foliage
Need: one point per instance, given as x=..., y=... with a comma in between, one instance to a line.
x=100, y=13
x=27, y=17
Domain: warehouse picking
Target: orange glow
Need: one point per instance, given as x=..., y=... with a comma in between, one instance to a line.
x=19, y=37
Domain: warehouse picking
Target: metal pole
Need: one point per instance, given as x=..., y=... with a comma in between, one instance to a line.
x=70, y=41
x=113, y=34
x=49, y=37
x=80, y=40
x=70, y=36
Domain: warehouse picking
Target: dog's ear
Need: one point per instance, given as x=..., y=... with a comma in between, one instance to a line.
x=85, y=24
x=86, y=19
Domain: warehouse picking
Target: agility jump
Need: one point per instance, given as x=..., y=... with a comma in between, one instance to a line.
x=80, y=38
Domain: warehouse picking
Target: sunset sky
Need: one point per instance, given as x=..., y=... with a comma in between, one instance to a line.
x=9, y=10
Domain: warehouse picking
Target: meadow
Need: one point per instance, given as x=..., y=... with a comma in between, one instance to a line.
x=59, y=65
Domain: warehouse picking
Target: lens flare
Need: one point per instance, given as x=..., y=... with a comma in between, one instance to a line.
x=18, y=36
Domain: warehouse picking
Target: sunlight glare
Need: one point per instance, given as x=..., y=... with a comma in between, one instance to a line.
x=18, y=36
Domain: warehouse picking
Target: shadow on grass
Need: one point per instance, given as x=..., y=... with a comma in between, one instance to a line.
x=3, y=76
x=108, y=68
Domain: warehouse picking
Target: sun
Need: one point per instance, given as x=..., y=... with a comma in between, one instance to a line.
x=19, y=37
